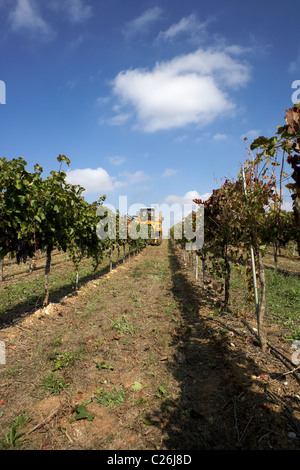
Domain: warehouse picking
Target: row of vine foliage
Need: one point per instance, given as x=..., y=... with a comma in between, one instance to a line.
x=245, y=215
x=49, y=213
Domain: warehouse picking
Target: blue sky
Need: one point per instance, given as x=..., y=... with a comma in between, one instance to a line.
x=149, y=99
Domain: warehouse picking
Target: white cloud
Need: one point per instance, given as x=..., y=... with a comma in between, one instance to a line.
x=186, y=90
x=294, y=66
x=25, y=17
x=186, y=199
x=140, y=24
x=98, y=181
x=219, y=137
x=251, y=134
x=287, y=206
x=76, y=11
x=169, y=172
x=71, y=84
x=119, y=119
x=181, y=138
x=188, y=26
x=131, y=179
x=116, y=160
x=4, y=3
x=211, y=62
x=287, y=202
x=235, y=49
x=179, y=207
x=93, y=180
x=102, y=100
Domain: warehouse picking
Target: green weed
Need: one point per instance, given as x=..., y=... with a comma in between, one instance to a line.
x=61, y=360
x=14, y=438
x=110, y=398
x=123, y=326
x=54, y=384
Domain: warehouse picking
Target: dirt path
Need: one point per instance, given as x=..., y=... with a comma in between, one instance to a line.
x=140, y=356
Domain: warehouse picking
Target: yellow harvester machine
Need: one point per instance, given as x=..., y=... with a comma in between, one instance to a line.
x=148, y=217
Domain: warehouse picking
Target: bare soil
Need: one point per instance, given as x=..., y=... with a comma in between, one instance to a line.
x=153, y=363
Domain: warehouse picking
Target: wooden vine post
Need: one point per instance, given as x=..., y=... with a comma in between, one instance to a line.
x=252, y=255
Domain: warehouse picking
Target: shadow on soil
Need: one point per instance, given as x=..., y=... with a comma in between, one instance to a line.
x=220, y=407
x=285, y=272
